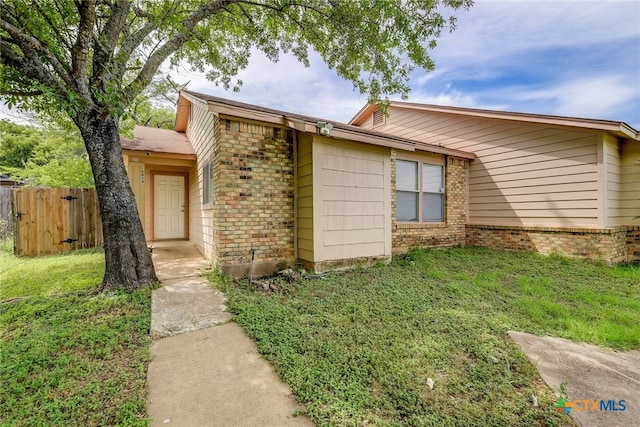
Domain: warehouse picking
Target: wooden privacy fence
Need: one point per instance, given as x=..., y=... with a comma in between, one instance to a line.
x=51, y=220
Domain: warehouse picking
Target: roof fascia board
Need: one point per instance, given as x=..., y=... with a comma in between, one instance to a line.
x=194, y=99
x=304, y=125
x=389, y=141
x=339, y=131
x=364, y=112
x=350, y=135
x=182, y=115
x=447, y=151
x=162, y=154
x=295, y=123
x=629, y=131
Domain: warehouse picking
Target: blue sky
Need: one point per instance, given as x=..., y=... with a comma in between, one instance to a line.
x=570, y=58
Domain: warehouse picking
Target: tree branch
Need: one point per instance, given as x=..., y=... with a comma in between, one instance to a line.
x=105, y=43
x=287, y=5
x=56, y=31
x=80, y=50
x=130, y=44
x=31, y=46
x=114, y=26
x=133, y=41
x=30, y=67
x=174, y=43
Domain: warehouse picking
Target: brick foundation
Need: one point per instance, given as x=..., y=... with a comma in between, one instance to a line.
x=614, y=244
x=633, y=243
x=425, y=235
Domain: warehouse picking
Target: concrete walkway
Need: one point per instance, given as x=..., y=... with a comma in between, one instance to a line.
x=205, y=370
x=589, y=373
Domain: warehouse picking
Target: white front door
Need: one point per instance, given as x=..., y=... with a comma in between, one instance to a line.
x=168, y=207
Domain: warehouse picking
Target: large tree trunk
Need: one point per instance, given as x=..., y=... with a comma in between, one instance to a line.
x=128, y=263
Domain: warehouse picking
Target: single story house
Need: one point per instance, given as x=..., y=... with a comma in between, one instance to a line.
x=539, y=182
x=253, y=187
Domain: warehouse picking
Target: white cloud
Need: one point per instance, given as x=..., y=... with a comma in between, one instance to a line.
x=565, y=48
x=593, y=98
x=579, y=58
x=453, y=97
x=498, y=29
x=14, y=115
x=590, y=98
x=288, y=85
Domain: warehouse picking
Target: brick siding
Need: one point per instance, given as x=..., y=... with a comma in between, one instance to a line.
x=253, y=190
x=410, y=235
x=610, y=244
x=253, y=203
x=633, y=243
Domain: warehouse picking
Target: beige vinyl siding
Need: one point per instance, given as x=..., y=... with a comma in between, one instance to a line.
x=200, y=132
x=629, y=187
x=612, y=183
x=368, y=123
x=352, y=201
x=525, y=174
x=305, y=197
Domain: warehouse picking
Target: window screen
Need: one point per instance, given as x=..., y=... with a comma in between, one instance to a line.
x=206, y=184
x=432, y=193
x=420, y=192
x=407, y=190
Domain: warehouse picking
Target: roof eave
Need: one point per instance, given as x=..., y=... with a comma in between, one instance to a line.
x=629, y=132
x=361, y=115
x=163, y=154
x=398, y=143
x=182, y=113
x=307, y=124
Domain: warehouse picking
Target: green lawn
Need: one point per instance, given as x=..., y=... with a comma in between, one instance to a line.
x=358, y=348
x=49, y=275
x=70, y=355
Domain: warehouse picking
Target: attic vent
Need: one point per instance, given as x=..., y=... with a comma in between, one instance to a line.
x=378, y=118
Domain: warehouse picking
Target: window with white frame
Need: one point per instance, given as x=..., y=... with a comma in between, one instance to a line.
x=420, y=195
